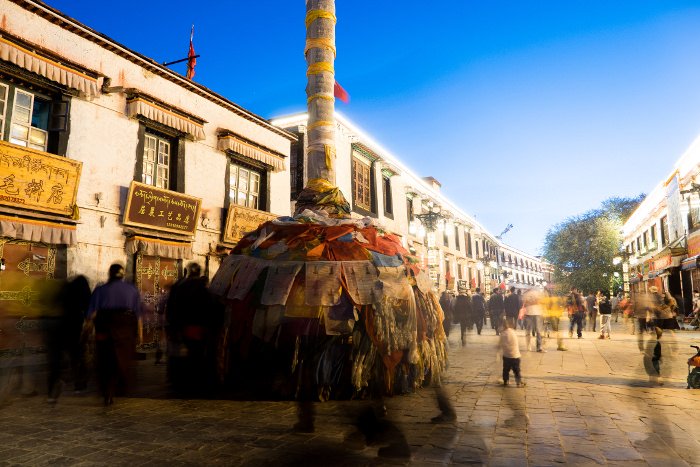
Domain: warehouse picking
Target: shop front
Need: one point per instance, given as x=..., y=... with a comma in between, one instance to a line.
x=159, y=226
x=666, y=273
x=37, y=225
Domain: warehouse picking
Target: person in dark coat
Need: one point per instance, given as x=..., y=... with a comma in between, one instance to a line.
x=496, y=310
x=512, y=307
x=462, y=311
x=193, y=322
x=446, y=303
x=115, y=308
x=65, y=337
x=478, y=310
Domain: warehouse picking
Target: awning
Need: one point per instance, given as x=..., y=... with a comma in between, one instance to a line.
x=32, y=230
x=690, y=263
x=49, y=69
x=157, y=247
x=157, y=113
x=229, y=142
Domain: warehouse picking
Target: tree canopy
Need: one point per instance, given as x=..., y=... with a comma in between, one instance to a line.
x=582, y=247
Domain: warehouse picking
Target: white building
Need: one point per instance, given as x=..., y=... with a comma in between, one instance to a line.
x=661, y=238
x=91, y=130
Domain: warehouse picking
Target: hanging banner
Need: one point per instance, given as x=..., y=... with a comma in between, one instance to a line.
x=37, y=180
x=159, y=209
x=240, y=221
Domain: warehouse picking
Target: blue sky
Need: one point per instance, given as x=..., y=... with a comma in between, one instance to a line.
x=526, y=112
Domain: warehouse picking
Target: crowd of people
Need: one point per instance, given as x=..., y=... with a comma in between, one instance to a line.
x=538, y=312
x=104, y=328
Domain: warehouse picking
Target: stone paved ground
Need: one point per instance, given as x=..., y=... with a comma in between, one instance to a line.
x=590, y=405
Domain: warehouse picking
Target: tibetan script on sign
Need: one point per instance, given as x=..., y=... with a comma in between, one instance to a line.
x=165, y=210
x=37, y=180
x=242, y=220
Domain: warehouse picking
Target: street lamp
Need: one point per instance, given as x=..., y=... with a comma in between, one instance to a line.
x=432, y=218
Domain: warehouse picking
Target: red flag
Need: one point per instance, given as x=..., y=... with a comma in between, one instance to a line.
x=191, y=59
x=341, y=93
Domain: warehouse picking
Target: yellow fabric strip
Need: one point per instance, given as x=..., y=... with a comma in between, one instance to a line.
x=319, y=67
x=319, y=96
x=330, y=155
x=321, y=42
x=313, y=15
x=320, y=123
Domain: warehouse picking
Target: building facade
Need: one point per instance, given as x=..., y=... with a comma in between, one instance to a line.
x=107, y=156
x=662, y=237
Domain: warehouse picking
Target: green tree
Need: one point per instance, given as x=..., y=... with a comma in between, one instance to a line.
x=582, y=247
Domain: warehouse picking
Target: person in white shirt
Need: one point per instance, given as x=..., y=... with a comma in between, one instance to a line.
x=509, y=348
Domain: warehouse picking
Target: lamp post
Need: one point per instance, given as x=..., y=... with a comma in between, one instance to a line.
x=431, y=220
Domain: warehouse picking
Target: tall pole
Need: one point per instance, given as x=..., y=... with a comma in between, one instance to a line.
x=320, y=56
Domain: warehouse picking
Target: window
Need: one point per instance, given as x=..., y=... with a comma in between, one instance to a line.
x=468, y=241
x=244, y=186
x=664, y=231
x=24, y=117
x=652, y=233
x=645, y=239
x=386, y=191
x=445, y=240
x=457, y=239
x=639, y=243
x=362, y=186
x=156, y=161
x=409, y=210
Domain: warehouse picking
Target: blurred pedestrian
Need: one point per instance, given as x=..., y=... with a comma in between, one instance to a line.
x=446, y=303
x=577, y=310
x=591, y=310
x=496, y=310
x=512, y=306
x=552, y=309
x=115, y=308
x=462, y=312
x=605, y=309
x=478, y=310
x=65, y=337
x=533, y=318
x=615, y=305
x=193, y=323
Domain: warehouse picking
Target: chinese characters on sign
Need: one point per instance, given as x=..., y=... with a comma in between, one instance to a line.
x=242, y=220
x=37, y=180
x=155, y=208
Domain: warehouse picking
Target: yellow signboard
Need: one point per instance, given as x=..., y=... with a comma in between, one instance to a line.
x=36, y=180
x=242, y=220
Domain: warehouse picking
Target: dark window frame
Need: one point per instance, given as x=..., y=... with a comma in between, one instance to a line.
x=176, y=181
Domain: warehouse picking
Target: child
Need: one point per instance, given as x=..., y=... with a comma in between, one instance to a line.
x=508, y=345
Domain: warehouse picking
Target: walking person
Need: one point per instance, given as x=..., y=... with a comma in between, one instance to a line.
x=496, y=310
x=592, y=310
x=115, y=308
x=510, y=350
x=446, y=302
x=576, y=309
x=512, y=306
x=552, y=309
x=65, y=337
x=615, y=305
x=605, y=309
x=462, y=312
x=533, y=318
x=478, y=310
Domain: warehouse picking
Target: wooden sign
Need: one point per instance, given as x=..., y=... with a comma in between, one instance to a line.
x=159, y=209
x=242, y=220
x=694, y=245
x=37, y=180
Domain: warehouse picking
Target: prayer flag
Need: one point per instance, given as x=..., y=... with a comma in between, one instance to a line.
x=341, y=93
x=191, y=59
